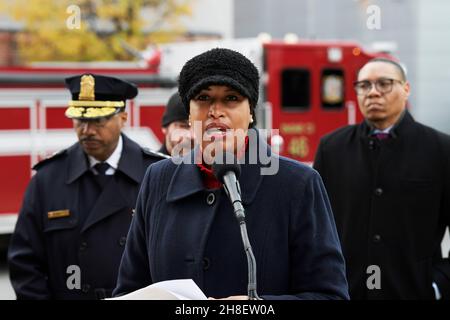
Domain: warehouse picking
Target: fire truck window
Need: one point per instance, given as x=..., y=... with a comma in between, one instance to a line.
x=332, y=88
x=295, y=89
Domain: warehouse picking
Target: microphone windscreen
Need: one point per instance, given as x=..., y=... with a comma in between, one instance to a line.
x=220, y=168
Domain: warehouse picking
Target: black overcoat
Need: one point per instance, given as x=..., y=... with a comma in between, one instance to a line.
x=391, y=201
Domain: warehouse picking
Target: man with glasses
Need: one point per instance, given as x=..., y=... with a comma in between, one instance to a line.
x=388, y=179
x=77, y=209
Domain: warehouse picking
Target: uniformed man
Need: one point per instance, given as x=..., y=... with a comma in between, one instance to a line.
x=74, y=220
x=176, y=128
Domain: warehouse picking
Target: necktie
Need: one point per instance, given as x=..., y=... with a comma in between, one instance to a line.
x=381, y=135
x=101, y=168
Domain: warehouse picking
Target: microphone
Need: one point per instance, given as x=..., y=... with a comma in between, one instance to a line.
x=228, y=174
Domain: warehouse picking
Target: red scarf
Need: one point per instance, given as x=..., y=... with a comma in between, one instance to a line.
x=208, y=177
x=209, y=180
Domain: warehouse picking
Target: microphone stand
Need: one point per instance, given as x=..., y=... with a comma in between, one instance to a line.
x=239, y=212
x=251, y=262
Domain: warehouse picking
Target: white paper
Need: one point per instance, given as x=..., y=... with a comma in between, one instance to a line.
x=180, y=289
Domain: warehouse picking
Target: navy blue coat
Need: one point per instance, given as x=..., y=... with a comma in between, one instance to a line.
x=182, y=230
x=42, y=248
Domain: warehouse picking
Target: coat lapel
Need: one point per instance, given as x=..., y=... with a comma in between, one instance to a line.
x=116, y=195
x=398, y=141
x=77, y=164
x=187, y=179
x=131, y=161
x=110, y=201
x=387, y=149
x=252, y=168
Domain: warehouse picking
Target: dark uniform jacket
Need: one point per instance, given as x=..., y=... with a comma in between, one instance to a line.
x=66, y=223
x=391, y=201
x=182, y=230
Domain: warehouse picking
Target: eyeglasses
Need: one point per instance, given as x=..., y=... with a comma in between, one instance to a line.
x=96, y=123
x=383, y=85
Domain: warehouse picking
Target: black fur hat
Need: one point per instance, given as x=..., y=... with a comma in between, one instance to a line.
x=219, y=67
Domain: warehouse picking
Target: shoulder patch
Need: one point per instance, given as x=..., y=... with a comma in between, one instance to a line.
x=49, y=159
x=157, y=154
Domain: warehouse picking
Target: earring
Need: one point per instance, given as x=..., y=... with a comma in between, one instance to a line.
x=251, y=120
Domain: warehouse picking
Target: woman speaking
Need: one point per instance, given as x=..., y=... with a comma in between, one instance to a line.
x=184, y=226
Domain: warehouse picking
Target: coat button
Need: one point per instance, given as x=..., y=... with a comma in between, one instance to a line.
x=85, y=288
x=378, y=191
x=210, y=199
x=376, y=238
x=122, y=241
x=83, y=246
x=206, y=263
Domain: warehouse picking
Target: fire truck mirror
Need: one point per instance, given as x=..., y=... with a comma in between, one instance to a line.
x=332, y=88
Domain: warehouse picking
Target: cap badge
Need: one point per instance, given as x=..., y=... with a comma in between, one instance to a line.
x=87, y=88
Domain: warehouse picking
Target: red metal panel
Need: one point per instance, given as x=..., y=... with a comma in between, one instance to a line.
x=55, y=118
x=15, y=174
x=150, y=116
x=298, y=128
x=14, y=118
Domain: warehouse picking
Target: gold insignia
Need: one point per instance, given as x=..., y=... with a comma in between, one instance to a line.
x=72, y=112
x=87, y=88
x=58, y=214
x=98, y=112
x=109, y=104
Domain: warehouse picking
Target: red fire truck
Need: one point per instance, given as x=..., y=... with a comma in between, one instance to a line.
x=306, y=91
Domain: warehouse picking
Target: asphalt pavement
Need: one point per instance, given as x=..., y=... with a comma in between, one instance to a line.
x=6, y=291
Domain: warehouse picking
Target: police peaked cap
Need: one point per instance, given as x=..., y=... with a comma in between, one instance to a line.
x=96, y=96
